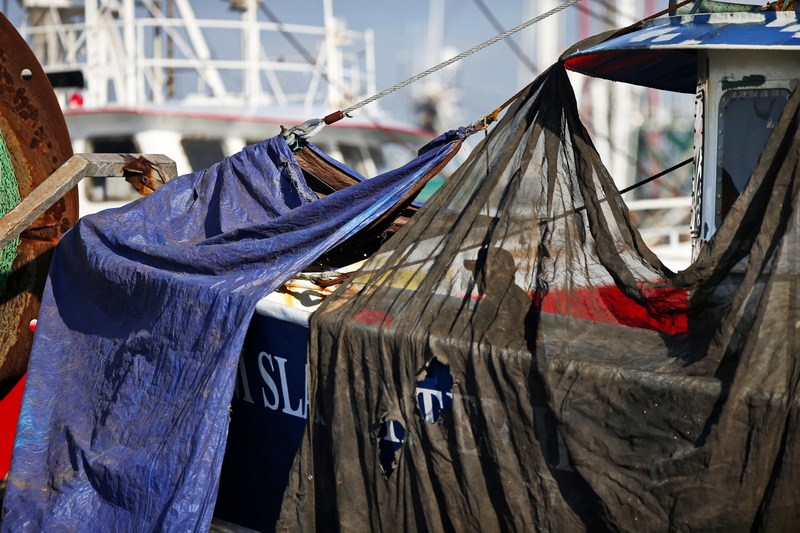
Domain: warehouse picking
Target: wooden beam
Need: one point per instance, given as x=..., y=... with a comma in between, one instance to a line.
x=76, y=168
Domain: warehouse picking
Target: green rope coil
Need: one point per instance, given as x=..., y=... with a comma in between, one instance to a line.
x=9, y=198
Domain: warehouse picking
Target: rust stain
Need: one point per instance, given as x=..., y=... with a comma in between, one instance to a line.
x=145, y=177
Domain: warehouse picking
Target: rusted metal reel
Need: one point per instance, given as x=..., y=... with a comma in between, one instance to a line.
x=35, y=133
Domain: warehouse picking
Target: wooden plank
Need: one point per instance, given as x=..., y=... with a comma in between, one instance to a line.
x=41, y=198
x=76, y=168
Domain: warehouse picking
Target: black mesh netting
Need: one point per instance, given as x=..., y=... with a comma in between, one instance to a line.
x=516, y=359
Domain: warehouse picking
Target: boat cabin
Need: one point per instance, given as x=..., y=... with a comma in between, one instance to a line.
x=742, y=67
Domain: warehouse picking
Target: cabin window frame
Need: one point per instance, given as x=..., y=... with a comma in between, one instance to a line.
x=699, y=145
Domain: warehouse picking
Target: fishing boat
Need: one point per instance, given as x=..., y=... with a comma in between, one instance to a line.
x=632, y=403
x=515, y=357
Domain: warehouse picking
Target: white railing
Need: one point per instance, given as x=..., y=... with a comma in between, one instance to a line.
x=138, y=56
x=669, y=228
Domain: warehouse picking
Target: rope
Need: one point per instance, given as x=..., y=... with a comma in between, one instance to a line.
x=9, y=198
x=656, y=176
x=457, y=58
x=491, y=117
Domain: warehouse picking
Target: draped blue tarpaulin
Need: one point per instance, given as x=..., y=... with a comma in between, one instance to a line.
x=125, y=414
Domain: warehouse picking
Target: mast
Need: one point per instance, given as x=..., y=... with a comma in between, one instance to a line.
x=334, y=31
x=434, y=97
x=251, y=46
x=549, y=33
x=624, y=115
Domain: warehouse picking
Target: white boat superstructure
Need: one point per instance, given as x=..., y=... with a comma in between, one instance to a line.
x=152, y=77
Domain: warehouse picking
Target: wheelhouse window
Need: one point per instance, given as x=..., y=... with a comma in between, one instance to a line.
x=354, y=158
x=202, y=153
x=745, y=123
x=377, y=158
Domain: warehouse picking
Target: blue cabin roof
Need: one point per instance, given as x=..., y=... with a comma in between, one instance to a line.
x=663, y=53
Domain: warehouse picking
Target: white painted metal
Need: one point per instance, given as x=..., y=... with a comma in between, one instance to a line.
x=125, y=53
x=549, y=33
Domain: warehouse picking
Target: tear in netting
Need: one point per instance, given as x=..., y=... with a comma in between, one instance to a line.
x=592, y=387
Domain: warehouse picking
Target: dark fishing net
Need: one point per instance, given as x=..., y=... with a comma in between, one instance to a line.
x=516, y=359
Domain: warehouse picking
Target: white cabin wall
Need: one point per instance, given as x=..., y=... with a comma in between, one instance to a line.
x=232, y=144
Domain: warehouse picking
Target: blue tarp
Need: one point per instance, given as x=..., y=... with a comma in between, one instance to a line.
x=125, y=414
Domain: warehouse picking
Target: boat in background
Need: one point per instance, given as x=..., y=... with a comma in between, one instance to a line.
x=152, y=77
